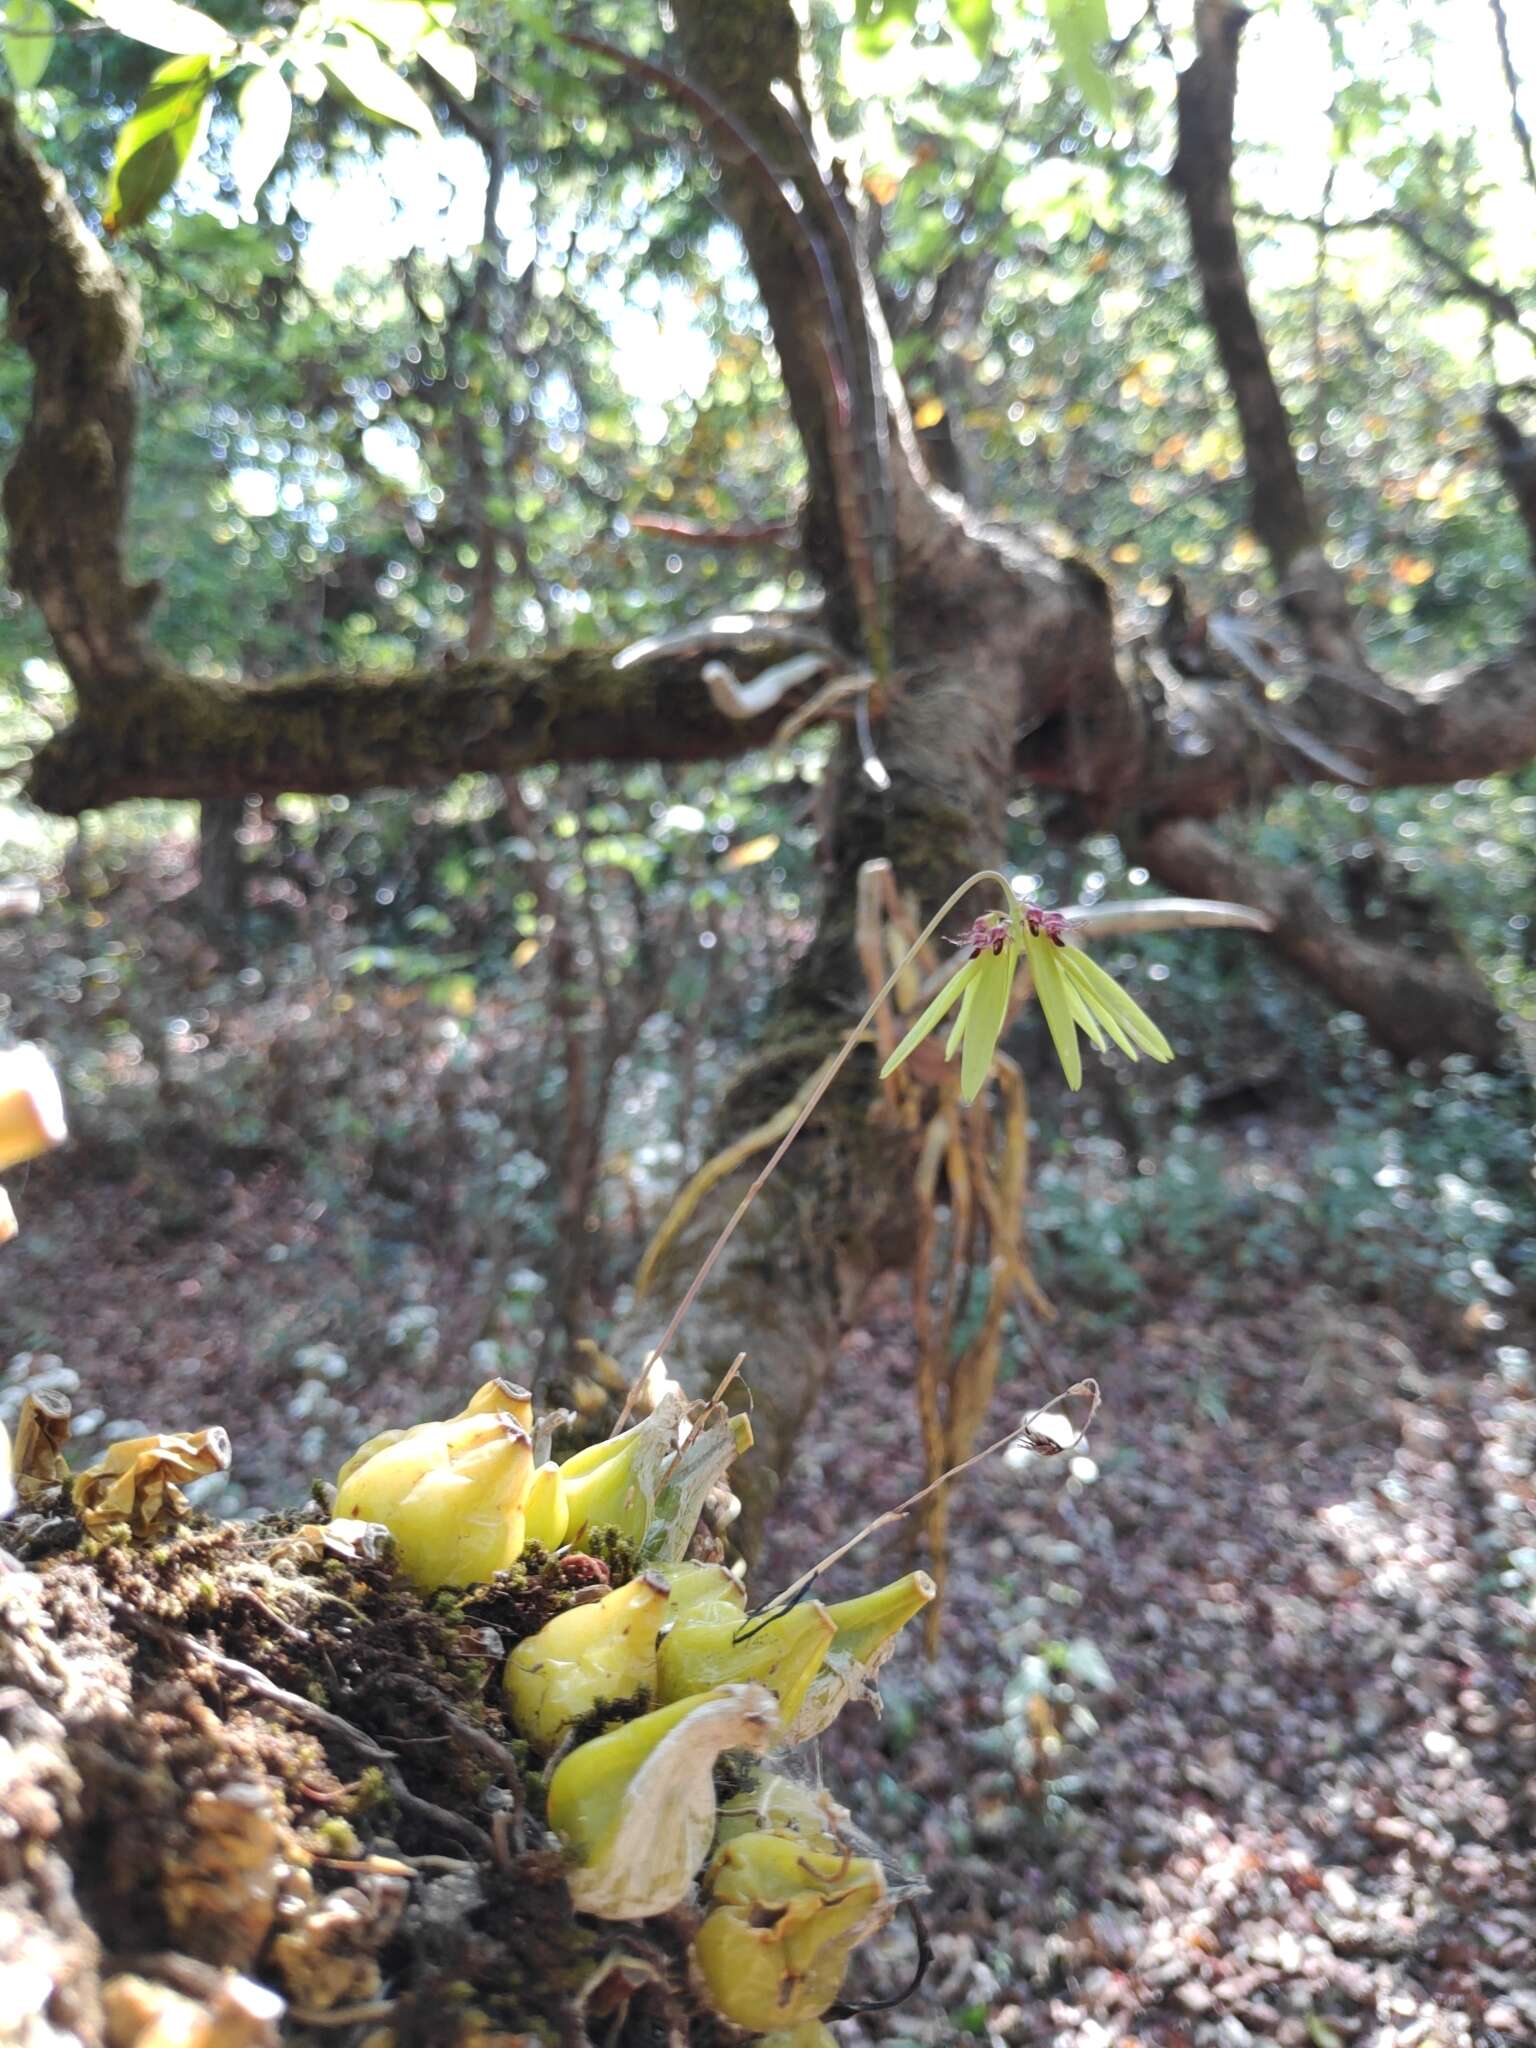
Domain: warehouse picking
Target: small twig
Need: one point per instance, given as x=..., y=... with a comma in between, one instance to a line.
x=1499, y=303
x=343, y=2015
x=257, y=1682
x=683, y=531
x=847, y=2009
x=1024, y=1431
x=301, y=1709
x=453, y=1824
x=480, y=1741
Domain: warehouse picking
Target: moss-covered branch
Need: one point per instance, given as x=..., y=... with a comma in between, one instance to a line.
x=176, y=736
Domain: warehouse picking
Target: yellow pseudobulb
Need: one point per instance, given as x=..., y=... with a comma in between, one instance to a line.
x=546, y=1510
x=603, y=1651
x=770, y=1803
x=635, y=1808
x=451, y=1494
x=783, y=1920
x=704, y=1590
x=785, y=1655
x=867, y=1628
x=495, y=1397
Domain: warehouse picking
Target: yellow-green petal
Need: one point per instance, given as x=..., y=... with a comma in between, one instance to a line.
x=941, y=1005
x=993, y=984
x=1082, y=1016
x=1108, y=998
x=962, y=1018
x=1106, y=1019
x=1051, y=989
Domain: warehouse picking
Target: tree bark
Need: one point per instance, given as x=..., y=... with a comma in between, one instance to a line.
x=220, y=870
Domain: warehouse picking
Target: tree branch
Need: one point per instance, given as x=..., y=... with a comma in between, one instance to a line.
x=180, y=736
x=1517, y=119
x=64, y=496
x=1416, y=1004
x=1491, y=297
x=1202, y=174
x=1517, y=459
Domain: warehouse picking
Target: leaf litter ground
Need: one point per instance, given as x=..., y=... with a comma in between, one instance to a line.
x=1289, y=1592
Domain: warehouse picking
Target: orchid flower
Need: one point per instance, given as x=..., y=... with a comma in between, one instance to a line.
x=1075, y=995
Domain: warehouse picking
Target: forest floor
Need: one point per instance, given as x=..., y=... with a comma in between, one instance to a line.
x=1231, y=1736
x=1292, y=1591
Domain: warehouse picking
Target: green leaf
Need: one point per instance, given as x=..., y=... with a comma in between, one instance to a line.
x=27, y=41
x=1080, y=27
x=398, y=24
x=878, y=24
x=165, y=25
x=376, y=90
x=975, y=19
x=156, y=140
x=452, y=60
x=266, y=115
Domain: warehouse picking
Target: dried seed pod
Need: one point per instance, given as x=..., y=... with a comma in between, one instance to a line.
x=136, y=1482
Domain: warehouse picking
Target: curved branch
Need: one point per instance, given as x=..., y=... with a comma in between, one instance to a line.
x=1517, y=120
x=64, y=496
x=1278, y=507
x=1417, y=1004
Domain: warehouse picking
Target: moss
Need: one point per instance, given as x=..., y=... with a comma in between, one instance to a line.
x=383, y=1659
x=517, y=1603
